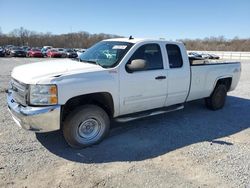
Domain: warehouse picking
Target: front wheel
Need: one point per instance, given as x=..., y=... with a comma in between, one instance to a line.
x=85, y=126
x=217, y=99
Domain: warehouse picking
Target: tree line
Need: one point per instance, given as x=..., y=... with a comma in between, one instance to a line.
x=24, y=37
x=218, y=44
x=83, y=39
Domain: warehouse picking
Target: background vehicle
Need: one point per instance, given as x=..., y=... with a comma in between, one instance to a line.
x=34, y=52
x=2, y=52
x=8, y=48
x=194, y=57
x=116, y=79
x=71, y=53
x=80, y=52
x=213, y=56
x=53, y=53
x=62, y=51
x=44, y=52
x=17, y=52
x=45, y=49
x=194, y=54
x=205, y=56
x=26, y=48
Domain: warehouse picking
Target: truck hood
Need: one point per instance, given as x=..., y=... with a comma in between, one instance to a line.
x=34, y=72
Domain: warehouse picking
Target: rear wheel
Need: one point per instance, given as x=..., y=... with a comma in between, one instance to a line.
x=86, y=126
x=217, y=99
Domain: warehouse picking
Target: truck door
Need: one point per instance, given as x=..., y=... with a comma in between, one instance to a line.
x=145, y=89
x=178, y=74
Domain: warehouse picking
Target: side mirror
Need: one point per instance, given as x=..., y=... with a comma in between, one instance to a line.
x=136, y=65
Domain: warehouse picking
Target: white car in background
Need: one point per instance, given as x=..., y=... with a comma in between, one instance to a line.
x=80, y=52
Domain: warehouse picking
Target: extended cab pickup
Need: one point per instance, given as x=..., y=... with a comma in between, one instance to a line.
x=119, y=79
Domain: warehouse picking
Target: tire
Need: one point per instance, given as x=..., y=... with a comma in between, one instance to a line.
x=86, y=126
x=217, y=99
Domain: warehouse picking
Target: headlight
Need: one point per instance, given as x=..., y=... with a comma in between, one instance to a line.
x=43, y=95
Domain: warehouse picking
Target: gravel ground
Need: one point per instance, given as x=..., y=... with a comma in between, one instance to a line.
x=194, y=147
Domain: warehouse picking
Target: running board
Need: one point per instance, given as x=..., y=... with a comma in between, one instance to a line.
x=140, y=115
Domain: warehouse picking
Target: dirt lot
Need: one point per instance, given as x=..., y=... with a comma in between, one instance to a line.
x=194, y=147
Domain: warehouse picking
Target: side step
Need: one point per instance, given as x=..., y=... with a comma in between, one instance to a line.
x=148, y=113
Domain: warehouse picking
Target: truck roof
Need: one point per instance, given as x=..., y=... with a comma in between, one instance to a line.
x=136, y=40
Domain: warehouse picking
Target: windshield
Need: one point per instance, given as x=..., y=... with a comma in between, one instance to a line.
x=106, y=53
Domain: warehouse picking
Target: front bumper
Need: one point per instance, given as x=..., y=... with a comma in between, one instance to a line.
x=72, y=55
x=18, y=54
x=37, y=55
x=37, y=119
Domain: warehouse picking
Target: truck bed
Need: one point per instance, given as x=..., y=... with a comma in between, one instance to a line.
x=204, y=76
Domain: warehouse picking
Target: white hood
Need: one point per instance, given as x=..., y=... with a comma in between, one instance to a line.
x=32, y=73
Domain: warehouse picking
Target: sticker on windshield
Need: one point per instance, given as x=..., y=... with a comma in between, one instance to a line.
x=119, y=47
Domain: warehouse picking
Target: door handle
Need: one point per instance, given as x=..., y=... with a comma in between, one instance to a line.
x=160, y=77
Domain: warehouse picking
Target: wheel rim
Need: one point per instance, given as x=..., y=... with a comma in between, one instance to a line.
x=89, y=129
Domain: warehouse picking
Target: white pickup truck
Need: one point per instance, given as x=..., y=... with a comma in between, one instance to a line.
x=116, y=79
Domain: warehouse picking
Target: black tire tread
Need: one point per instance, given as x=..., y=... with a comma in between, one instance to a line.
x=210, y=101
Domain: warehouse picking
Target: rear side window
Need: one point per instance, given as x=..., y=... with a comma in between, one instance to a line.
x=174, y=56
x=152, y=54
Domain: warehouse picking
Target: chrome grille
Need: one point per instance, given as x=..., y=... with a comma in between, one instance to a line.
x=19, y=91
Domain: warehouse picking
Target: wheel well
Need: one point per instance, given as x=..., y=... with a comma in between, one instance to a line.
x=225, y=81
x=103, y=99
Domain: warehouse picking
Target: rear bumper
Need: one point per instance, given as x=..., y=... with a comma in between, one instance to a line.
x=37, y=119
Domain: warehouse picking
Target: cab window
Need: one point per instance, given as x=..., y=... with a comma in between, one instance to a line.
x=174, y=56
x=151, y=53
